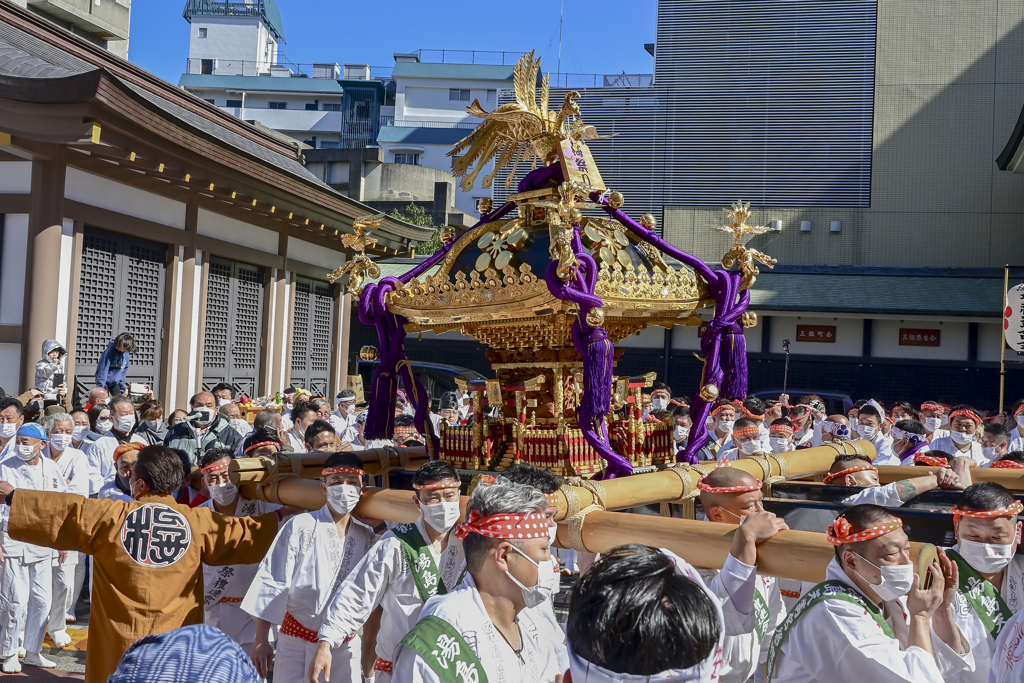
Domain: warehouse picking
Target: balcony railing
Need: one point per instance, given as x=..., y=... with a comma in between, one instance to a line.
x=286, y=69
x=468, y=57
x=406, y=123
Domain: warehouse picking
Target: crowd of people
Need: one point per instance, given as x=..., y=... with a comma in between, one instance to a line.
x=132, y=505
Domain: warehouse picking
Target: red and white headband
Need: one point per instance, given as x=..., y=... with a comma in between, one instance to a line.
x=746, y=431
x=1011, y=510
x=782, y=429
x=262, y=443
x=964, y=412
x=507, y=525
x=838, y=532
x=933, y=406
x=742, y=488
x=831, y=476
x=219, y=467
x=443, y=484
x=344, y=470
x=752, y=416
x=1008, y=465
x=722, y=406
x=930, y=460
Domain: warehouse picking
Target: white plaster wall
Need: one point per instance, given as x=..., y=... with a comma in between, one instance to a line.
x=67, y=243
x=314, y=254
x=990, y=342
x=15, y=177
x=684, y=338
x=226, y=38
x=849, y=336
x=427, y=99
x=10, y=368
x=953, y=340
x=436, y=156
x=235, y=231
x=12, y=270
x=107, y=194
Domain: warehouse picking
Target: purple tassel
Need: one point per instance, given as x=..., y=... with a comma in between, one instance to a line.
x=734, y=363
x=599, y=361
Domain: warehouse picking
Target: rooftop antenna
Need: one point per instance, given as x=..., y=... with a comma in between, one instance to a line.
x=561, y=11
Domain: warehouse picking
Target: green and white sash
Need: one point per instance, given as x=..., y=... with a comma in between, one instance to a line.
x=421, y=562
x=761, y=613
x=445, y=650
x=982, y=596
x=827, y=590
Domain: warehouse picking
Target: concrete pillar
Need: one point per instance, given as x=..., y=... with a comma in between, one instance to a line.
x=342, y=346
x=279, y=309
x=188, y=326
x=45, y=226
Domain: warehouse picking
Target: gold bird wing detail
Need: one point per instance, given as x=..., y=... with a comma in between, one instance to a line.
x=371, y=222
x=358, y=242
x=491, y=138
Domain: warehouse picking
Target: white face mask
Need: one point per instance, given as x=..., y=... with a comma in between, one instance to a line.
x=799, y=433
x=288, y=406
x=78, y=432
x=441, y=516
x=205, y=417
x=25, y=452
x=125, y=423
x=680, y=434
x=932, y=423
x=104, y=426
x=343, y=497
x=961, y=438
x=223, y=493
x=1020, y=421
x=895, y=582
x=725, y=425
x=241, y=426
x=59, y=442
x=552, y=535
x=987, y=558
x=779, y=445
x=8, y=429
x=989, y=452
x=866, y=431
x=546, y=581
x=223, y=402
x=748, y=447
x=659, y=403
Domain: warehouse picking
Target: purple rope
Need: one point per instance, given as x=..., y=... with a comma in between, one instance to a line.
x=731, y=376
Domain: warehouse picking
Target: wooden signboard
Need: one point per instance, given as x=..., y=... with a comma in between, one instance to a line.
x=825, y=334
x=909, y=337
x=578, y=165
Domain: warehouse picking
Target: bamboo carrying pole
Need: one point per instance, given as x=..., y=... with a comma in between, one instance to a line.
x=309, y=465
x=1011, y=479
x=669, y=485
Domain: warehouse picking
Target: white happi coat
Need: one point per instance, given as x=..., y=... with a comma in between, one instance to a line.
x=734, y=585
x=1008, y=657
x=384, y=578
x=345, y=427
x=974, y=452
x=983, y=645
x=886, y=496
x=111, y=491
x=43, y=476
x=101, y=459
x=74, y=467
x=303, y=568
x=464, y=610
x=232, y=581
x=883, y=449
x=296, y=441
x=1016, y=440
x=838, y=642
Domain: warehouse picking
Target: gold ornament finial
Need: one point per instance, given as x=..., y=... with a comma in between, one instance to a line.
x=369, y=353
x=447, y=235
x=616, y=200
x=485, y=205
x=739, y=212
x=709, y=392
x=361, y=264
x=649, y=221
x=748, y=319
x=595, y=317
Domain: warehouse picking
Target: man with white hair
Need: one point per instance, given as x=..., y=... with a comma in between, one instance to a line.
x=74, y=467
x=483, y=630
x=344, y=418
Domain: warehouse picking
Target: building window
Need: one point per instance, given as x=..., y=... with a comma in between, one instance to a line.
x=456, y=95
x=492, y=95
x=278, y=105
x=206, y=66
x=202, y=32
x=312, y=106
x=210, y=101
x=237, y=104
x=332, y=106
x=407, y=158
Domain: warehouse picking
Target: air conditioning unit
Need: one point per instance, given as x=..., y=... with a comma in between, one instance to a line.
x=326, y=70
x=280, y=71
x=357, y=72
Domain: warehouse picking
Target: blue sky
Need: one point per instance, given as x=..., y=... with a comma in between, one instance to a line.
x=599, y=36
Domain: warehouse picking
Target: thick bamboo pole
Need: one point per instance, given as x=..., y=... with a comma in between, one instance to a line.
x=668, y=485
x=1011, y=479
x=800, y=555
x=256, y=470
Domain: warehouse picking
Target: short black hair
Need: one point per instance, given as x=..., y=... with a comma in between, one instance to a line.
x=862, y=517
x=214, y=454
x=633, y=613
x=962, y=406
x=434, y=470
x=754, y=405
x=161, y=469
x=869, y=410
x=126, y=340
x=537, y=477
x=985, y=495
x=94, y=413
x=264, y=418
x=782, y=421
x=999, y=430
x=261, y=435
x=301, y=409
x=344, y=459
x=681, y=411
x=1016, y=456
x=744, y=422
x=658, y=385
x=845, y=462
x=910, y=426
x=318, y=427
x=903, y=405
x=6, y=403
x=224, y=385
